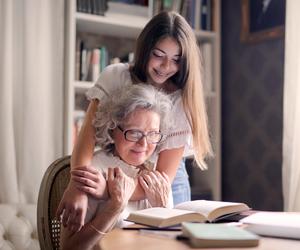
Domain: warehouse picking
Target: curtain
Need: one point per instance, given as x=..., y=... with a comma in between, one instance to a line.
x=291, y=120
x=31, y=94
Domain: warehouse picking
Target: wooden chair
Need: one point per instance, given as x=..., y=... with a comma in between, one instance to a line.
x=54, y=182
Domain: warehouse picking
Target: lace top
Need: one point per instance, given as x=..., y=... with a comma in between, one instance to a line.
x=178, y=136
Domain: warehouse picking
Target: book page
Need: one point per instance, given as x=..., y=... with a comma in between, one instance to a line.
x=206, y=207
x=161, y=213
x=163, y=217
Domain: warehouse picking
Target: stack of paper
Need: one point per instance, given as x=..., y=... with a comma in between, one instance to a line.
x=278, y=224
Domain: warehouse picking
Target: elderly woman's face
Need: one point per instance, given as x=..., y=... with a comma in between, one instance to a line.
x=136, y=153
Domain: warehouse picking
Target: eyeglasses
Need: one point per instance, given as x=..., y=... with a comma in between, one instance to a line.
x=135, y=135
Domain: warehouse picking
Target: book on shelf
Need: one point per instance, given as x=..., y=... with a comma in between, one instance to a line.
x=218, y=235
x=78, y=49
x=206, y=15
x=277, y=224
x=188, y=12
x=190, y=211
x=207, y=55
x=86, y=55
x=197, y=24
x=198, y=13
x=95, y=65
x=104, y=57
x=171, y=5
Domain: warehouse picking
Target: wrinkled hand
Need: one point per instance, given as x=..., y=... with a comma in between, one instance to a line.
x=89, y=180
x=72, y=208
x=120, y=187
x=157, y=187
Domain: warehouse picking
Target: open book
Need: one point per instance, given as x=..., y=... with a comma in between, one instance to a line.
x=193, y=211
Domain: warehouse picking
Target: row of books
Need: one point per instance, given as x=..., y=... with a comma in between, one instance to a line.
x=89, y=62
x=198, y=13
x=137, y=2
x=96, y=7
x=99, y=7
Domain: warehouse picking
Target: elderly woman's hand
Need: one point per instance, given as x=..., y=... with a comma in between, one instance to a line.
x=157, y=187
x=120, y=187
x=89, y=180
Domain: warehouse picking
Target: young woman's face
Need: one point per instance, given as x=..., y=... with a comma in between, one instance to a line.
x=136, y=153
x=163, y=61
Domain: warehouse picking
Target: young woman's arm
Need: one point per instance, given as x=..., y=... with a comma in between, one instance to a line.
x=169, y=160
x=73, y=205
x=84, y=148
x=88, y=236
x=120, y=188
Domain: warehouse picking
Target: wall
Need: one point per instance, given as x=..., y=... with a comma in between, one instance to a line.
x=252, y=115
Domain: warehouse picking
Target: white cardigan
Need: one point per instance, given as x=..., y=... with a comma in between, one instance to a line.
x=102, y=161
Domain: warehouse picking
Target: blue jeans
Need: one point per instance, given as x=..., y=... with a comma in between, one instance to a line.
x=181, y=186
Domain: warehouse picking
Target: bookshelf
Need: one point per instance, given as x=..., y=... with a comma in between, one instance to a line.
x=125, y=26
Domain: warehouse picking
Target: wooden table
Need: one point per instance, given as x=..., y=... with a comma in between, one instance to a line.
x=119, y=239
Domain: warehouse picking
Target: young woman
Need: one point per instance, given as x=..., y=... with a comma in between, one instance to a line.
x=128, y=129
x=166, y=56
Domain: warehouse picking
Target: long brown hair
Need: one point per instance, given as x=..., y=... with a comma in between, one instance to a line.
x=188, y=77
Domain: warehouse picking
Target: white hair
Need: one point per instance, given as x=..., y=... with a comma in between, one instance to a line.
x=115, y=108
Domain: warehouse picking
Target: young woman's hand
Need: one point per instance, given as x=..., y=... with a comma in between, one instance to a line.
x=120, y=187
x=89, y=180
x=72, y=208
x=157, y=187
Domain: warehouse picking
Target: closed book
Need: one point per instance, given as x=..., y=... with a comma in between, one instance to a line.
x=207, y=53
x=218, y=235
x=193, y=211
x=95, y=69
x=277, y=224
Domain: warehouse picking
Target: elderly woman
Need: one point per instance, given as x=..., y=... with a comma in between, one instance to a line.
x=128, y=128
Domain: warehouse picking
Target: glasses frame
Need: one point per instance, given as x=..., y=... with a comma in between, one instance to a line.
x=125, y=132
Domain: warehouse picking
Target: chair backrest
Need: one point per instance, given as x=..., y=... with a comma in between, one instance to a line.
x=53, y=185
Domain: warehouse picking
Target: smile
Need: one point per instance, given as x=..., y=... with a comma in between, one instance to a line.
x=138, y=152
x=160, y=74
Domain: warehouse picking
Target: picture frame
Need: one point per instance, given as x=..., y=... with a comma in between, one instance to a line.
x=262, y=20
